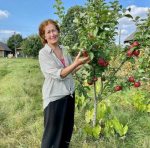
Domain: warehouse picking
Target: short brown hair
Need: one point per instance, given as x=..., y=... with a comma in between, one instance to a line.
x=42, y=29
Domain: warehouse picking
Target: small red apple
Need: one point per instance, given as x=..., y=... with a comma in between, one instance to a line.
x=131, y=79
x=129, y=53
x=102, y=62
x=136, y=52
x=137, y=84
x=90, y=82
x=136, y=43
x=118, y=88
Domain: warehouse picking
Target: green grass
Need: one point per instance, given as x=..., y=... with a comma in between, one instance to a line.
x=21, y=104
x=138, y=135
x=21, y=113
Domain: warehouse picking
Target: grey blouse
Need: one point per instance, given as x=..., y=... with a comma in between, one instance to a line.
x=54, y=86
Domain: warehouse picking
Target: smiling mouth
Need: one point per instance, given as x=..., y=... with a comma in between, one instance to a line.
x=53, y=38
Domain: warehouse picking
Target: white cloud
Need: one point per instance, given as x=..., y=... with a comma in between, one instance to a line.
x=7, y=31
x=5, y=34
x=124, y=32
x=138, y=11
x=126, y=24
x=4, y=14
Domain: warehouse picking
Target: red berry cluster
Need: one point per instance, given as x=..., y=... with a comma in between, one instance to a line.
x=132, y=80
x=135, y=52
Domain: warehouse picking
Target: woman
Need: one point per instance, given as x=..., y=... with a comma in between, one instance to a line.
x=58, y=88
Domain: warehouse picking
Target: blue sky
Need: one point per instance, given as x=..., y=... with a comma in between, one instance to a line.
x=24, y=16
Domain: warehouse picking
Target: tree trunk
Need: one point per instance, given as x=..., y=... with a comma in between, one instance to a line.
x=95, y=106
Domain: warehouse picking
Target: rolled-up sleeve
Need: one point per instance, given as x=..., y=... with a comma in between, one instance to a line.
x=48, y=66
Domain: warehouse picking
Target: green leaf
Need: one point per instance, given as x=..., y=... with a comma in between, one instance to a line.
x=141, y=60
x=125, y=129
x=148, y=108
x=88, y=129
x=95, y=31
x=141, y=70
x=76, y=20
x=89, y=116
x=101, y=110
x=129, y=9
x=129, y=16
x=82, y=15
x=137, y=18
x=108, y=129
x=132, y=60
x=91, y=54
x=96, y=131
x=118, y=126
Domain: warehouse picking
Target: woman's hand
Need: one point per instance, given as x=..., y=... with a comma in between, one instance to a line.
x=75, y=66
x=81, y=60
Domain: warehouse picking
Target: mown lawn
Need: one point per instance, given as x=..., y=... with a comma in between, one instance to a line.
x=21, y=116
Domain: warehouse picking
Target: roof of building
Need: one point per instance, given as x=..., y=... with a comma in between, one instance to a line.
x=130, y=37
x=4, y=47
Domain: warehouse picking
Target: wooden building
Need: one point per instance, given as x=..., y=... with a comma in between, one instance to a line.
x=4, y=50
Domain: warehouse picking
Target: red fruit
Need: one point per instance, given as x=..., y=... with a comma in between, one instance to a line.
x=136, y=43
x=131, y=79
x=129, y=53
x=118, y=88
x=136, y=52
x=137, y=84
x=102, y=62
x=84, y=53
x=90, y=82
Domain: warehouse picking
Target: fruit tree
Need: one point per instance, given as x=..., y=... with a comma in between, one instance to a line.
x=97, y=28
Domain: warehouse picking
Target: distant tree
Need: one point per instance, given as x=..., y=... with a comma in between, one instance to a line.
x=68, y=27
x=31, y=46
x=143, y=33
x=69, y=35
x=14, y=42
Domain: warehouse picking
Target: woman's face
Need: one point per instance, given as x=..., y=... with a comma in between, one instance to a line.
x=51, y=34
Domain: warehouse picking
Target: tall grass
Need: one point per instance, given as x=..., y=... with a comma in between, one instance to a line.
x=21, y=104
x=21, y=113
x=138, y=135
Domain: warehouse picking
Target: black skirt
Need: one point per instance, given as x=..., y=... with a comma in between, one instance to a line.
x=58, y=123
